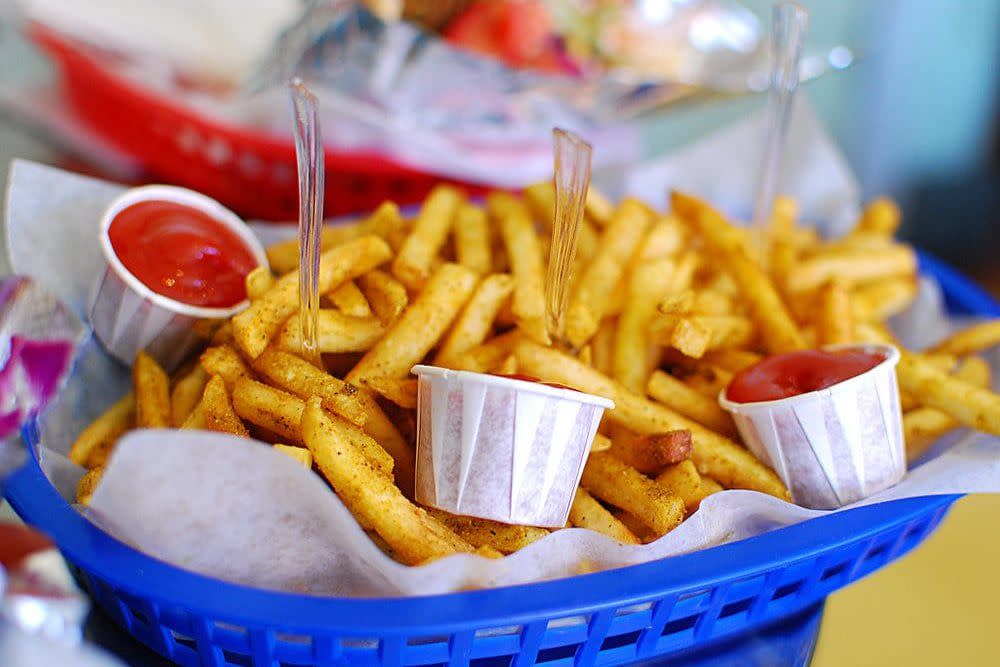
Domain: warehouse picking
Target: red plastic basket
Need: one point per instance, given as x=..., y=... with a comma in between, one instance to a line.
x=251, y=171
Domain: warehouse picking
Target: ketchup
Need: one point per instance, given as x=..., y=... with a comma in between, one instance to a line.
x=531, y=378
x=795, y=373
x=182, y=253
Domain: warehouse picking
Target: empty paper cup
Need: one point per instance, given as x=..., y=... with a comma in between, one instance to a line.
x=833, y=446
x=502, y=448
x=127, y=316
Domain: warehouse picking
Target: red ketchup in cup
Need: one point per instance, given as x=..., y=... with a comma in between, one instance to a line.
x=795, y=373
x=182, y=253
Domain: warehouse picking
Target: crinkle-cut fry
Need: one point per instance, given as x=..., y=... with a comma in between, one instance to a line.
x=226, y=362
x=881, y=216
x=608, y=478
x=401, y=392
x=475, y=322
x=634, y=357
x=88, y=484
x=853, y=267
x=970, y=340
x=835, y=318
x=526, y=262
x=592, y=291
x=430, y=231
x=386, y=295
x=258, y=282
x=336, y=332
x=489, y=355
x=713, y=453
x=973, y=406
x=684, y=400
x=349, y=300
x=776, y=326
x=419, y=328
x=217, y=409
x=152, y=393
x=881, y=300
x=412, y=534
x=473, y=248
x=99, y=438
x=694, y=335
x=682, y=480
x=505, y=538
x=650, y=453
x=732, y=360
x=254, y=328
x=586, y=512
x=186, y=394
x=300, y=455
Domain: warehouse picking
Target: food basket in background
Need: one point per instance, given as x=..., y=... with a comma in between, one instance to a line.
x=664, y=608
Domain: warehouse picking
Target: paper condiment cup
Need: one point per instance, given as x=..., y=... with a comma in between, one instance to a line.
x=127, y=316
x=501, y=448
x=834, y=446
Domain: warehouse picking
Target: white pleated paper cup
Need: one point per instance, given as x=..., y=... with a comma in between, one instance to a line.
x=127, y=316
x=834, y=446
x=500, y=448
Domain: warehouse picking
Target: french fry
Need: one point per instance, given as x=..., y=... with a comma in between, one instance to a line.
x=386, y=295
x=694, y=335
x=586, y=512
x=666, y=238
x=336, y=332
x=526, y=262
x=508, y=366
x=472, y=239
x=503, y=537
x=490, y=354
x=412, y=265
x=970, y=405
x=217, y=410
x=254, y=328
x=540, y=199
x=881, y=216
x=708, y=381
x=635, y=525
x=299, y=454
x=258, y=282
x=226, y=362
x=634, y=355
x=684, y=400
x=476, y=320
x=401, y=392
x=598, y=208
x=732, y=360
x=186, y=394
x=602, y=443
x=714, y=454
x=881, y=300
x=152, y=395
x=592, y=291
x=349, y=300
x=602, y=346
x=88, y=484
x=682, y=480
x=195, y=420
x=607, y=478
x=650, y=453
x=97, y=440
x=853, y=267
x=709, y=486
x=835, y=319
x=419, y=328
x=412, y=534
x=970, y=340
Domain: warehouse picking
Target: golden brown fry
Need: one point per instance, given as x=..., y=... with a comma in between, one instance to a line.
x=413, y=535
x=881, y=216
x=419, y=328
x=835, y=319
x=527, y=264
x=766, y=308
x=472, y=239
x=666, y=238
x=268, y=408
x=152, y=394
x=970, y=340
x=258, y=282
x=349, y=300
x=88, y=484
x=602, y=443
x=476, y=319
x=602, y=346
x=586, y=512
x=487, y=356
x=682, y=480
x=98, y=439
x=386, y=295
x=226, y=362
x=336, y=332
x=254, y=327
x=607, y=478
x=299, y=454
x=881, y=300
x=694, y=335
x=650, y=453
x=853, y=267
x=412, y=265
x=508, y=366
x=186, y=394
x=732, y=360
x=971, y=405
x=598, y=208
x=714, y=454
x=684, y=400
x=634, y=355
x=217, y=410
x=401, y=392
x=709, y=486
x=195, y=420
x=592, y=291
x=503, y=537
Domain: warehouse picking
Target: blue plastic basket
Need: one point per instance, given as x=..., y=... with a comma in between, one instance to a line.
x=662, y=608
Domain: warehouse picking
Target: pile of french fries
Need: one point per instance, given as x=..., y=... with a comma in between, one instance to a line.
x=665, y=307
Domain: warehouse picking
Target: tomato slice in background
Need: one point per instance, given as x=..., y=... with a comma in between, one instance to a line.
x=518, y=33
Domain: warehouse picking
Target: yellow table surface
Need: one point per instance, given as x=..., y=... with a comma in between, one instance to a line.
x=938, y=605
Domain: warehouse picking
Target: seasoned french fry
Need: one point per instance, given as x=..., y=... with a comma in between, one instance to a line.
x=401, y=392
x=254, y=328
x=508, y=366
x=881, y=300
x=527, y=265
x=226, y=362
x=195, y=420
x=186, y=394
x=217, y=410
x=412, y=534
x=586, y=512
x=503, y=537
x=967, y=403
x=476, y=319
x=258, y=282
x=386, y=295
x=853, y=267
x=598, y=208
x=694, y=335
x=412, y=265
x=682, y=480
x=349, y=300
x=224, y=334
x=269, y=408
x=835, y=320
x=634, y=356
x=298, y=454
x=589, y=301
x=881, y=216
x=714, y=454
x=708, y=381
x=98, y=439
x=732, y=360
x=489, y=355
x=602, y=443
x=602, y=346
x=684, y=400
x=88, y=484
x=541, y=200
x=650, y=453
x=973, y=339
x=666, y=238
x=336, y=332
x=607, y=478
x=472, y=239
x=709, y=486
x=419, y=328
x=152, y=394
